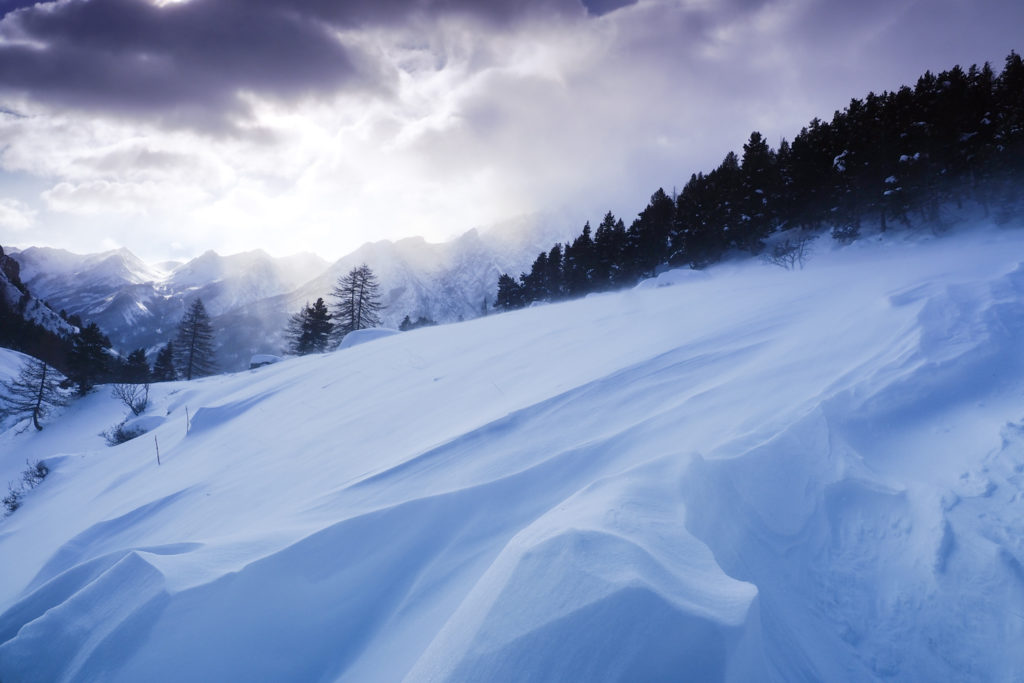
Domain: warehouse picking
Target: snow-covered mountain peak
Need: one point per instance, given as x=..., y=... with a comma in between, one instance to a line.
x=203, y=269
x=252, y=295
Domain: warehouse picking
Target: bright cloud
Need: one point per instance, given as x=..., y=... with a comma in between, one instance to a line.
x=15, y=216
x=319, y=125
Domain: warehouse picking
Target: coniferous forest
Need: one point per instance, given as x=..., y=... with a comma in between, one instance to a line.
x=955, y=138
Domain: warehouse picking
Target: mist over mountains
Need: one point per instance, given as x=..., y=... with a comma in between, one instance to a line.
x=251, y=295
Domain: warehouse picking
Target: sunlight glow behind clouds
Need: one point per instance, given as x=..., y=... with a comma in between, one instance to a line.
x=15, y=216
x=425, y=123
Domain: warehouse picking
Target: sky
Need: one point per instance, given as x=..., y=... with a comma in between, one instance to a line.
x=175, y=126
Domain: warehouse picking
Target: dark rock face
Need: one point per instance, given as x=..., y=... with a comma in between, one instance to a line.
x=11, y=270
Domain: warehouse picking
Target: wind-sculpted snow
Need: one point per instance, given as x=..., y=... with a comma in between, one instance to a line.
x=749, y=474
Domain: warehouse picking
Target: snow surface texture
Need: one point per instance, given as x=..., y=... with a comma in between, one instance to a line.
x=357, y=337
x=752, y=474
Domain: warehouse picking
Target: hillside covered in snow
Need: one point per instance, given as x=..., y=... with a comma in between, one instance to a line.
x=742, y=473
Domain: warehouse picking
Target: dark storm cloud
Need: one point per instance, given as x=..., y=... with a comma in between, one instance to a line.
x=188, y=63
x=11, y=5
x=599, y=7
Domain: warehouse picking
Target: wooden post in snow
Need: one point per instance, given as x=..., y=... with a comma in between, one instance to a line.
x=157, y=443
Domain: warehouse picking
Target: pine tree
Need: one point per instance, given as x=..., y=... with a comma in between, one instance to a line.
x=163, y=367
x=193, y=346
x=33, y=393
x=649, y=234
x=606, y=252
x=534, y=284
x=555, y=276
x=510, y=294
x=759, y=187
x=309, y=330
x=358, y=301
x=320, y=326
x=136, y=369
x=88, y=361
x=579, y=264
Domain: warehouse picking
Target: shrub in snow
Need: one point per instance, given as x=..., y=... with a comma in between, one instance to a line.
x=134, y=396
x=261, y=359
x=845, y=234
x=33, y=475
x=122, y=432
x=12, y=501
x=790, y=253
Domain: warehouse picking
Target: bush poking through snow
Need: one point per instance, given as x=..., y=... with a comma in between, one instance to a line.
x=845, y=234
x=134, y=396
x=122, y=432
x=12, y=501
x=33, y=475
x=791, y=253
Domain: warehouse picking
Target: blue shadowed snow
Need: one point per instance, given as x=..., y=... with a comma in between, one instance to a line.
x=751, y=474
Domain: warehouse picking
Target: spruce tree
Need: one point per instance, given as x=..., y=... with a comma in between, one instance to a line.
x=535, y=283
x=606, y=252
x=136, y=369
x=320, y=326
x=309, y=330
x=358, y=301
x=555, y=277
x=579, y=264
x=163, y=367
x=88, y=361
x=650, y=236
x=193, y=346
x=510, y=294
x=757, y=192
x=33, y=393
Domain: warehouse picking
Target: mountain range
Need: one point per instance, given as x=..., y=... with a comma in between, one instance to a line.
x=251, y=295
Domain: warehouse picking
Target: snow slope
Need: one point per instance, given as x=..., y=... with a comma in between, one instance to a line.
x=751, y=474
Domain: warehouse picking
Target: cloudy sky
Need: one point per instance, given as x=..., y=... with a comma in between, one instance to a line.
x=175, y=126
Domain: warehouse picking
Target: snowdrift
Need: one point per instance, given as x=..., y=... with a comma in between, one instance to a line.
x=751, y=474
